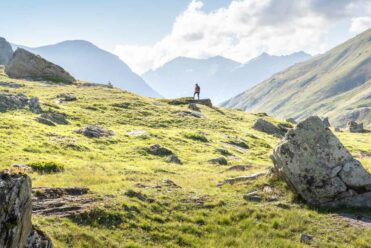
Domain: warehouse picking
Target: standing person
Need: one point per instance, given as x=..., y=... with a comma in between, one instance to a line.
x=197, y=92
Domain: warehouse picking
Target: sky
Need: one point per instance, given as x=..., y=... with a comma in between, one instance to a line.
x=148, y=33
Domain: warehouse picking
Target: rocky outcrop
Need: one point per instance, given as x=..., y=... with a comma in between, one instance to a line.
x=9, y=101
x=320, y=169
x=26, y=65
x=6, y=52
x=189, y=100
x=94, y=132
x=267, y=127
x=52, y=118
x=66, y=97
x=16, y=230
x=354, y=127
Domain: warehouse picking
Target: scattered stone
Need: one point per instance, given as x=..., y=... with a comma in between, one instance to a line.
x=337, y=129
x=35, y=105
x=241, y=179
x=124, y=105
x=184, y=113
x=253, y=197
x=239, y=144
x=171, y=184
x=318, y=167
x=54, y=118
x=94, y=132
x=158, y=150
x=6, y=52
x=223, y=152
x=326, y=122
x=218, y=161
x=138, y=133
x=283, y=206
x=193, y=107
x=44, y=121
x=10, y=101
x=174, y=159
x=11, y=85
x=354, y=127
x=267, y=127
x=67, y=97
x=62, y=202
x=306, y=239
x=27, y=65
x=291, y=120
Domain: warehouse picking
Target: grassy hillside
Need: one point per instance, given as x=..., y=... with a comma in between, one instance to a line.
x=336, y=84
x=135, y=207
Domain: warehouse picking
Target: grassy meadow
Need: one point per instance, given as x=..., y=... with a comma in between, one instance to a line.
x=195, y=214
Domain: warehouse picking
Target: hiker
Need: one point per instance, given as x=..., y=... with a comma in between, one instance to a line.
x=197, y=92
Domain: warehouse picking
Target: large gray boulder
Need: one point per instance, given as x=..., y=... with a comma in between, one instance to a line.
x=6, y=52
x=26, y=65
x=319, y=168
x=16, y=230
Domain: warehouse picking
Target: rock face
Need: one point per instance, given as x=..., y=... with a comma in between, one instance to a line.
x=318, y=167
x=354, y=127
x=267, y=127
x=16, y=230
x=6, y=52
x=10, y=101
x=27, y=65
x=15, y=210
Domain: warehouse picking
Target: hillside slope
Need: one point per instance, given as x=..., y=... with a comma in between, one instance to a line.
x=89, y=63
x=336, y=84
x=138, y=199
x=219, y=77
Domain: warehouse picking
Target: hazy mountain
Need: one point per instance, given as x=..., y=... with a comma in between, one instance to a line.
x=336, y=84
x=87, y=62
x=220, y=78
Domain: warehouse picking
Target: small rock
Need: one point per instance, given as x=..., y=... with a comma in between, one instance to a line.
x=174, y=159
x=185, y=113
x=66, y=97
x=239, y=168
x=241, y=179
x=35, y=105
x=169, y=183
x=283, y=206
x=354, y=127
x=253, y=197
x=337, y=129
x=44, y=121
x=306, y=239
x=137, y=133
x=267, y=127
x=10, y=101
x=218, y=161
x=94, y=132
x=158, y=150
x=52, y=118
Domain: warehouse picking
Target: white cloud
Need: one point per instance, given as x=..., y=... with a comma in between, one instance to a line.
x=242, y=31
x=360, y=24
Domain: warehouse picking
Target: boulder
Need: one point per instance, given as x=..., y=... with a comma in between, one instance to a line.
x=312, y=160
x=94, y=132
x=354, y=127
x=67, y=97
x=6, y=52
x=267, y=127
x=52, y=118
x=26, y=65
x=174, y=159
x=10, y=101
x=158, y=150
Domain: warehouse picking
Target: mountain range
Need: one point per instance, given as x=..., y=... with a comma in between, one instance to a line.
x=220, y=78
x=336, y=84
x=87, y=62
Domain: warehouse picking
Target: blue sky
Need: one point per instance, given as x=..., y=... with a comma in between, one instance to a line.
x=104, y=22
x=148, y=33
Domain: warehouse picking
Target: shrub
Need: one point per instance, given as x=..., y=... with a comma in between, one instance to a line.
x=47, y=167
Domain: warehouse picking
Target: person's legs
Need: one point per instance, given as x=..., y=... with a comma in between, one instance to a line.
x=198, y=95
x=194, y=96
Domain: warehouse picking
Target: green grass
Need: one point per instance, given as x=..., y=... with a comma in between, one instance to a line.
x=198, y=214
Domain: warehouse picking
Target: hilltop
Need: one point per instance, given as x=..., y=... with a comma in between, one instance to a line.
x=219, y=77
x=87, y=62
x=335, y=84
x=139, y=198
